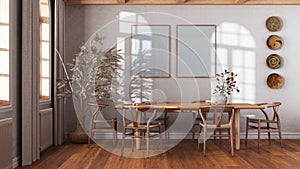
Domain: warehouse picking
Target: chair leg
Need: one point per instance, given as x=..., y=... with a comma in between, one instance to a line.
x=160, y=141
x=193, y=132
x=269, y=134
x=199, y=135
x=147, y=143
x=204, y=141
x=122, y=147
x=116, y=130
x=231, y=141
x=279, y=133
x=160, y=137
x=91, y=132
x=89, y=139
x=193, y=127
x=132, y=143
x=258, y=132
x=214, y=135
x=113, y=134
x=166, y=125
x=247, y=127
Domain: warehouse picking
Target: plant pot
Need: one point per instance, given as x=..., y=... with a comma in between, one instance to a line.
x=78, y=136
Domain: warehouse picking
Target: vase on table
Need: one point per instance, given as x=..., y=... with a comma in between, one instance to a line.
x=221, y=99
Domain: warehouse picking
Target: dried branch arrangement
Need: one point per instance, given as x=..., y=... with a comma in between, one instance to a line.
x=92, y=71
x=226, y=84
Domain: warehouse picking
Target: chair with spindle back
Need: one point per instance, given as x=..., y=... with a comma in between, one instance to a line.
x=218, y=123
x=196, y=117
x=266, y=124
x=95, y=120
x=137, y=129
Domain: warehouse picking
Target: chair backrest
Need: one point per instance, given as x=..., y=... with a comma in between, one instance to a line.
x=98, y=108
x=275, y=109
x=217, y=112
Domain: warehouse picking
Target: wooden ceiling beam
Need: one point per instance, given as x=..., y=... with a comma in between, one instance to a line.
x=239, y=1
x=181, y=1
x=121, y=1
x=178, y=2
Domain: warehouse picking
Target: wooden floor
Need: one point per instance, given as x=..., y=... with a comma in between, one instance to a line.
x=183, y=156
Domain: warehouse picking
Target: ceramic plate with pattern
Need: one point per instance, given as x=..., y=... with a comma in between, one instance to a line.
x=274, y=23
x=273, y=61
x=274, y=42
x=274, y=81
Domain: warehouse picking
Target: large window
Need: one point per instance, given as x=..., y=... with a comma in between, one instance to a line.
x=4, y=54
x=45, y=68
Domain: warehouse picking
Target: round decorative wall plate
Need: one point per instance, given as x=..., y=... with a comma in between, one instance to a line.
x=274, y=81
x=274, y=23
x=273, y=61
x=274, y=42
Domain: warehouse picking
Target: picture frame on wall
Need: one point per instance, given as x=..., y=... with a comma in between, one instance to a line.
x=150, y=49
x=196, y=51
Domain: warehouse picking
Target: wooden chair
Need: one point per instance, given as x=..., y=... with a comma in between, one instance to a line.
x=196, y=117
x=135, y=129
x=164, y=119
x=94, y=120
x=217, y=123
x=267, y=124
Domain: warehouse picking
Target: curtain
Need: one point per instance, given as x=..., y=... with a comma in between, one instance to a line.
x=30, y=82
x=58, y=71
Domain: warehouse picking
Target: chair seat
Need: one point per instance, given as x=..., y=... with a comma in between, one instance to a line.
x=213, y=126
x=141, y=126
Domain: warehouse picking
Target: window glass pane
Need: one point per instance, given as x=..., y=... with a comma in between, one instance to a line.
x=45, y=31
x=4, y=94
x=45, y=89
x=44, y=8
x=4, y=62
x=4, y=11
x=4, y=53
x=4, y=37
x=45, y=50
x=45, y=68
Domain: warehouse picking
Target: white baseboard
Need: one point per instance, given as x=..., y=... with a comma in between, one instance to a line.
x=16, y=162
x=251, y=135
x=285, y=135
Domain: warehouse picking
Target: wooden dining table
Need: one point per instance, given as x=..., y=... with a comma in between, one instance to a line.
x=192, y=107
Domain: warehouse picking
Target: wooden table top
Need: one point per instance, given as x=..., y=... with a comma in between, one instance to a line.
x=187, y=106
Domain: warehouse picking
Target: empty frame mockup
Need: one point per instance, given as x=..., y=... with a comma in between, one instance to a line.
x=150, y=51
x=196, y=50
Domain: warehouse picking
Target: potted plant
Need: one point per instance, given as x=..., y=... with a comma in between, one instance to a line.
x=226, y=85
x=92, y=76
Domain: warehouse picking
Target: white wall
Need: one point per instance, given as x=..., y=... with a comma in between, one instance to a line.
x=241, y=47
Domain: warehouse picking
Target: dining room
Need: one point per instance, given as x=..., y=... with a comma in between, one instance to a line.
x=149, y=84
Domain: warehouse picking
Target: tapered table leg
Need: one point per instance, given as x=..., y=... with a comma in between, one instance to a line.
x=236, y=127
